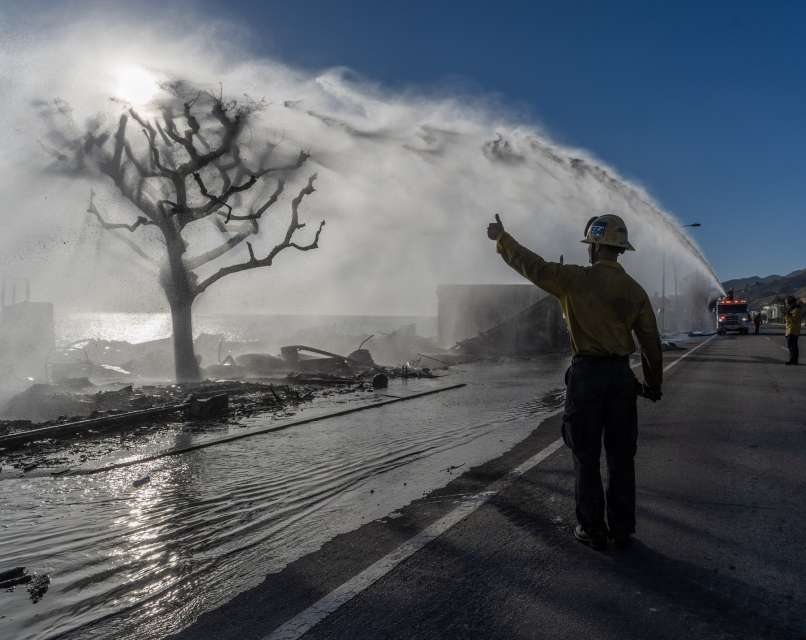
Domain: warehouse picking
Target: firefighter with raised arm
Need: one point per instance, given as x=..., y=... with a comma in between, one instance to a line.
x=603, y=307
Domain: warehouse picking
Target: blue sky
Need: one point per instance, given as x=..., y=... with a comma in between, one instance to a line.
x=702, y=103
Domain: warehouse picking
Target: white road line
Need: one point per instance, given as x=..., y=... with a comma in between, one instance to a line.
x=304, y=621
x=307, y=619
x=688, y=353
x=779, y=346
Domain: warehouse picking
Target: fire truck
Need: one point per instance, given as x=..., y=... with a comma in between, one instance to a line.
x=732, y=314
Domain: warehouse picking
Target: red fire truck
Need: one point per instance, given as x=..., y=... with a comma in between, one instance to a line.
x=732, y=314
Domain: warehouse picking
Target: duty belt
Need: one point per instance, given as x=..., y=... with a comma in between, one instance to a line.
x=584, y=357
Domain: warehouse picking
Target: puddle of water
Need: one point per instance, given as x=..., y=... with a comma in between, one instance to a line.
x=214, y=522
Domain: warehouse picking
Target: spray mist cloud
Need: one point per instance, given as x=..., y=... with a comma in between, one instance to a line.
x=407, y=182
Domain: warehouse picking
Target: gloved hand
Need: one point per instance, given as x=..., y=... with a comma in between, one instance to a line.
x=651, y=392
x=645, y=391
x=495, y=229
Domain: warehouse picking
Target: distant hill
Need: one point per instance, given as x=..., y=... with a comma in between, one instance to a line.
x=764, y=290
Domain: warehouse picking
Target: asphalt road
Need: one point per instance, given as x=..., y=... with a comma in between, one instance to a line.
x=720, y=550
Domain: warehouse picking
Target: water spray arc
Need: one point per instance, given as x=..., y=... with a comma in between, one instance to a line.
x=409, y=180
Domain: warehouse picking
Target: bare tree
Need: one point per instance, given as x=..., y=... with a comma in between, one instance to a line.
x=194, y=164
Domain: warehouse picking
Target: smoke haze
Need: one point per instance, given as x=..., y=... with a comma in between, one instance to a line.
x=407, y=181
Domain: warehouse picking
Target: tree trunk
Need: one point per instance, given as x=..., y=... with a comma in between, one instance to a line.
x=176, y=282
x=179, y=289
x=187, y=367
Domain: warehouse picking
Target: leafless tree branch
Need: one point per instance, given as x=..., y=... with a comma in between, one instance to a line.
x=216, y=202
x=193, y=123
x=165, y=139
x=141, y=220
x=185, y=148
x=254, y=262
x=257, y=213
x=301, y=159
x=314, y=244
x=232, y=127
x=111, y=226
x=208, y=256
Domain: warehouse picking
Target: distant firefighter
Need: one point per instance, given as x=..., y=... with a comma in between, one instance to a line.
x=603, y=307
x=757, y=321
x=792, y=317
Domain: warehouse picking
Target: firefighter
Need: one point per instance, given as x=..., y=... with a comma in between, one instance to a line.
x=603, y=307
x=792, y=317
x=757, y=321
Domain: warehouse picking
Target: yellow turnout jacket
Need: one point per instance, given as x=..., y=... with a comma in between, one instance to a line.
x=793, y=320
x=603, y=306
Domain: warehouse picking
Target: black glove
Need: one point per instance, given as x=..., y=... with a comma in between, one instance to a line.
x=651, y=392
x=495, y=229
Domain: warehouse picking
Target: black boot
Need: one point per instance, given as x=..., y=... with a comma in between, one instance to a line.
x=597, y=540
x=620, y=540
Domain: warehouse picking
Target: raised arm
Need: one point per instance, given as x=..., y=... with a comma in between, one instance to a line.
x=555, y=278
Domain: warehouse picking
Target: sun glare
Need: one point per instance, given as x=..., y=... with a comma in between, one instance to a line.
x=135, y=85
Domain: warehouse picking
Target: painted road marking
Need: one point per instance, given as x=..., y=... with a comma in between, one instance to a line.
x=688, y=353
x=779, y=346
x=303, y=622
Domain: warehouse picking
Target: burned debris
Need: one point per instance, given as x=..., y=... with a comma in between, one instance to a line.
x=96, y=386
x=136, y=406
x=536, y=330
x=108, y=384
x=38, y=583
x=492, y=321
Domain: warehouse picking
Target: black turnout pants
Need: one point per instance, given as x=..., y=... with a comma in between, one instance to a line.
x=600, y=404
x=792, y=345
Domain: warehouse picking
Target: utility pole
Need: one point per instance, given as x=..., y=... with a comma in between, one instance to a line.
x=663, y=284
x=676, y=308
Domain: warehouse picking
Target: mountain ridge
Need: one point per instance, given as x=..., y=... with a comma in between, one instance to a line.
x=760, y=290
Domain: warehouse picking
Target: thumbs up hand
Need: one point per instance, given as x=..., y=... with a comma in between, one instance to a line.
x=495, y=229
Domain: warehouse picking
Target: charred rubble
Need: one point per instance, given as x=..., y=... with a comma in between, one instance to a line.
x=105, y=384
x=100, y=382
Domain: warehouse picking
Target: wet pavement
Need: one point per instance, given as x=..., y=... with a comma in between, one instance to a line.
x=719, y=552
x=211, y=523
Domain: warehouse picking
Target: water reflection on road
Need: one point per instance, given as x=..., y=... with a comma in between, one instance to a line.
x=214, y=522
